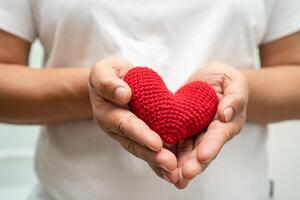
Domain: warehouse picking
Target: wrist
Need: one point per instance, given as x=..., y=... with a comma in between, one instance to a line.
x=80, y=90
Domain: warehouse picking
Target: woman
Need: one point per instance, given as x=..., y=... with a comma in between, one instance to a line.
x=76, y=160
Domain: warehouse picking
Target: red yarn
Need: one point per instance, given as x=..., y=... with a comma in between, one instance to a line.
x=173, y=116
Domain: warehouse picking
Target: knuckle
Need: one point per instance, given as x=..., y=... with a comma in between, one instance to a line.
x=121, y=127
x=237, y=101
x=131, y=148
x=145, y=156
x=240, y=102
x=123, y=123
x=105, y=83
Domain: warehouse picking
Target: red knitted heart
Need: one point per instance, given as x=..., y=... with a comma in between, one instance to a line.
x=173, y=116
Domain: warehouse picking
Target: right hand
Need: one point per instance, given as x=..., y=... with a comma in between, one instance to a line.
x=195, y=154
x=109, y=96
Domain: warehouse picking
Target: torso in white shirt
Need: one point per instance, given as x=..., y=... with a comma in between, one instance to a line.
x=78, y=161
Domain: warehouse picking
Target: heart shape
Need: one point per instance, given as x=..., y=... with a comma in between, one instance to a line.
x=173, y=116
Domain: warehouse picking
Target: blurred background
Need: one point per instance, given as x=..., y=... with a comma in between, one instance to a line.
x=17, y=146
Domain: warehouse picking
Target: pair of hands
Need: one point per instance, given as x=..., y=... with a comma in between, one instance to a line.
x=178, y=164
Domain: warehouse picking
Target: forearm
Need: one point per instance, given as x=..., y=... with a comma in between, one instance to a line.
x=274, y=94
x=42, y=96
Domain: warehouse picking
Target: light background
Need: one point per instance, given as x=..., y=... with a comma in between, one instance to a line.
x=17, y=145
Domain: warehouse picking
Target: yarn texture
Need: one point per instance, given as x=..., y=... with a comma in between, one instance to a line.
x=173, y=116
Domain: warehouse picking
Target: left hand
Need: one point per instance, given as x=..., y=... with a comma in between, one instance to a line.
x=109, y=95
x=195, y=154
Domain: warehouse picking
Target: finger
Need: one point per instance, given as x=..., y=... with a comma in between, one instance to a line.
x=171, y=177
x=208, y=145
x=163, y=159
x=185, y=149
x=106, y=80
x=190, y=167
x=193, y=167
x=235, y=97
x=218, y=133
x=160, y=173
x=124, y=123
x=231, y=106
x=182, y=182
x=136, y=129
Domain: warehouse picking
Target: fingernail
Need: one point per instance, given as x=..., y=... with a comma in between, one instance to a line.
x=228, y=112
x=120, y=94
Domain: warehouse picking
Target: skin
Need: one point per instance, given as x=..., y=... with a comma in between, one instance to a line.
x=43, y=96
x=39, y=96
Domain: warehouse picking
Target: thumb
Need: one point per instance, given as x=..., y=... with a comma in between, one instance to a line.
x=107, y=82
x=231, y=106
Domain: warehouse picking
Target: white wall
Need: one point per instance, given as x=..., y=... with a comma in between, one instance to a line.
x=17, y=145
x=284, y=151
x=16, y=155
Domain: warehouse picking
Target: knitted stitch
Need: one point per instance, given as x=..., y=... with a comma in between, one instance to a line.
x=173, y=116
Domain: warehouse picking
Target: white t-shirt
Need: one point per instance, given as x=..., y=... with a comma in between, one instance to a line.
x=76, y=160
